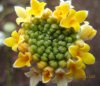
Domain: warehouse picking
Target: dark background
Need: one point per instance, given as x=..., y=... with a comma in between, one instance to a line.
x=15, y=77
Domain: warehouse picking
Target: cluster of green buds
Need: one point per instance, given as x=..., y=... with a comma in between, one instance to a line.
x=52, y=44
x=49, y=42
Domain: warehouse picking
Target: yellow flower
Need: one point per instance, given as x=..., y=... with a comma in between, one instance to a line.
x=73, y=19
x=47, y=74
x=61, y=11
x=37, y=7
x=14, y=41
x=81, y=50
x=23, y=60
x=87, y=32
x=23, y=14
x=76, y=69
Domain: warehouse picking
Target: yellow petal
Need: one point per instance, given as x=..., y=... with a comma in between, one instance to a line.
x=14, y=48
x=61, y=11
x=76, y=26
x=21, y=39
x=88, y=58
x=20, y=20
x=9, y=42
x=37, y=7
x=15, y=35
x=80, y=74
x=85, y=47
x=73, y=50
x=20, y=11
x=81, y=16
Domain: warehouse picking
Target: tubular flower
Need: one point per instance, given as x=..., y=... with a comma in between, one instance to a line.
x=62, y=10
x=23, y=14
x=37, y=7
x=87, y=32
x=14, y=41
x=76, y=69
x=47, y=74
x=23, y=60
x=81, y=50
x=73, y=19
x=52, y=42
x=60, y=78
x=34, y=75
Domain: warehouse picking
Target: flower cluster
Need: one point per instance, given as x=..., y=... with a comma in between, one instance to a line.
x=52, y=43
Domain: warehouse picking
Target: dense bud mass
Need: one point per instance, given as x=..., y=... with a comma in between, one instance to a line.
x=48, y=41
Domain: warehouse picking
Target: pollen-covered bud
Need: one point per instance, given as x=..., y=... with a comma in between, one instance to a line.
x=41, y=64
x=23, y=47
x=47, y=13
x=62, y=63
x=36, y=57
x=53, y=63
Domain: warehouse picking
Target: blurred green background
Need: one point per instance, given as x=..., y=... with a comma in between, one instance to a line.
x=15, y=77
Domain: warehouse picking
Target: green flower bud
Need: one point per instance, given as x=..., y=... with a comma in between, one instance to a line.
x=40, y=27
x=47, y=43
x=59, y=56
x=35, y=20
x=69, y=44
x=36, y=34
x=39, y=43
x=53, y=64
x=61, y=37
x=74, y=37
x=67, y=55
x=62, y=43
x=62, y=49
x=47, y=26
x=70, y=39
x=40, y=50
x=62, y=63
x=33, y=49
x=51, y=56
x=40, y=36
x=26, y=37
x=36, y=57
x=51, y=20
x=43, y=22
x=55, y=50
x=58, y=32
x=44, y=58
x=47, y=50
x=34, y=27
x=26, y=25
x=54, y=26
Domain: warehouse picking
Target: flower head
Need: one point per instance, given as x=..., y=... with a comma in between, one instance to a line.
x=52, y=43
